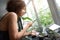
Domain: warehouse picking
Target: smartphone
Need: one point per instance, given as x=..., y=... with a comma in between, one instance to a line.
x=34, y=20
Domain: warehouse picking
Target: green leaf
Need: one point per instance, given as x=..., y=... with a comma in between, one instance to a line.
x=26, y=18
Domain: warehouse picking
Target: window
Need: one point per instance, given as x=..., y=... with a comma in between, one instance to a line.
x=39, y=10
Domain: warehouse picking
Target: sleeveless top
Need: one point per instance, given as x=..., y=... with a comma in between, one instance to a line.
x=4, y=35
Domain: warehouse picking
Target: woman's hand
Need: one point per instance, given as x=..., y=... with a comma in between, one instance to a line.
x=29, y=24
x=33, y=33
x=27, y=33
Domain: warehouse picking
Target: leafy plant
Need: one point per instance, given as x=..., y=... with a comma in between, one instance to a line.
x=46, y=17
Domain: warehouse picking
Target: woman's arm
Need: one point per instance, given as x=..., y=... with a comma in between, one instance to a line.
x=30, y=33
x=13, y=31
x=27, y=33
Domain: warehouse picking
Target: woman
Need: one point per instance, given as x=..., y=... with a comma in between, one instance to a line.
x=8, y=24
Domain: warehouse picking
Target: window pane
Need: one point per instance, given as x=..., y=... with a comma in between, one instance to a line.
x=31, y=14
x=44, y=13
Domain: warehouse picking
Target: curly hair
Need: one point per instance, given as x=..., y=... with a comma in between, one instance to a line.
x=15, y=6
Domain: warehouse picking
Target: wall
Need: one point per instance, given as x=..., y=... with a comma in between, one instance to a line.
x=3, y=7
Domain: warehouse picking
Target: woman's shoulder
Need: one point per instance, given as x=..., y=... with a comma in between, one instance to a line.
x=12, y=14
x=9, y=15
